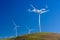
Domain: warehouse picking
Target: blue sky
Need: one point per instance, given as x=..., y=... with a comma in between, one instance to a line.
x=17, y=10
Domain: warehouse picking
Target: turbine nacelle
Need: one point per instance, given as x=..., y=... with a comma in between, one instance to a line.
x=16, y=27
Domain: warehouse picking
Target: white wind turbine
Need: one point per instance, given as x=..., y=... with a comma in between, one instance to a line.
x=15, y=28
x=41, y=11
x=29, y=30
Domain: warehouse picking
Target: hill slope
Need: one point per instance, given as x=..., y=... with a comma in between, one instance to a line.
x=37, y=36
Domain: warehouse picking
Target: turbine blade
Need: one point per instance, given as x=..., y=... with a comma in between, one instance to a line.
x=14, y=23
x=44, y=11
x=32, y=6
x=15, y=28
x=18, y=26
x=46, y=6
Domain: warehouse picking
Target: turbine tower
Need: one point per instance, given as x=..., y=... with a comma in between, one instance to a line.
x=41, y=11
x=15, y=28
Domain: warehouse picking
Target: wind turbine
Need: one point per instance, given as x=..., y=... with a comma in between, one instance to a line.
x=29, y=30
x=15, y=28
x=41, y=11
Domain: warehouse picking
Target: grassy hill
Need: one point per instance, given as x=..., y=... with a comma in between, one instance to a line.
x=38, y=36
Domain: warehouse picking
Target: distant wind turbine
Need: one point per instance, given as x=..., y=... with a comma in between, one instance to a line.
x=29, y=30
x=15, y=28
x=41, y=11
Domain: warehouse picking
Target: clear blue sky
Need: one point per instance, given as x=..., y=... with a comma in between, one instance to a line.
x=18, y=11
